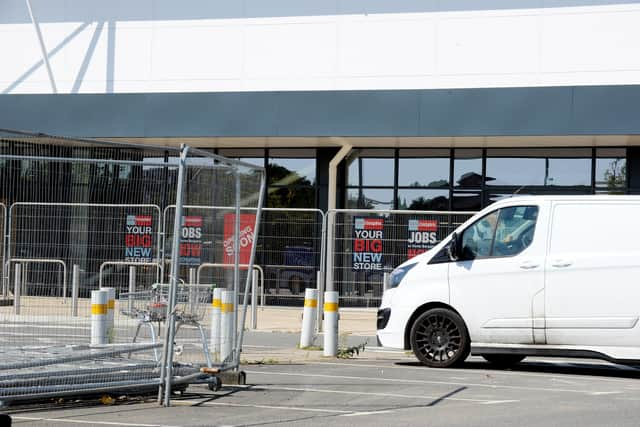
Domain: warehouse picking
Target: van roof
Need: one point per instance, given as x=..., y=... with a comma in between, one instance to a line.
x=586, y=197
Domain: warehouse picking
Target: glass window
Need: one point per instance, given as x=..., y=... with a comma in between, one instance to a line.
x=539, y=167
x=504, y=232
x=467, y=168
x=370, y=198
x=478, y=238
x=291, y=197
x=423, y=200
x=611, y=170
x=371, y=172
x=369, y=168
x=423, y=168
x=514, y=232
x=466, y=201
x=292, y=166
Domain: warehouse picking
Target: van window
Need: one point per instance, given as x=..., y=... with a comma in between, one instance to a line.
x=504, y=232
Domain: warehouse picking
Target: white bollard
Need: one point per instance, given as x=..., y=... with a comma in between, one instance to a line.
x=309, y=317
x=99, y=303
x=111, y=305
x=132, y=287
x=330, y=324
x=75, y=289
x=214, y=341
x=227, y=313
x=16, y=289
x=254, y=300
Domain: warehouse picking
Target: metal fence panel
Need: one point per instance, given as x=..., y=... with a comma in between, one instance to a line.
x=364, y=244
x=84, y=214
x=289, y=248
x=196, y=233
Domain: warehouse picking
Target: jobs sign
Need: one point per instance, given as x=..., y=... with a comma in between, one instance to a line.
x=247, y=235
x=191, y=240
x=422, y=236
x=367, y=243
x=138, y=240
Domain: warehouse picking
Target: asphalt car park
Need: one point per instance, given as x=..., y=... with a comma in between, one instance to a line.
x=386, y=389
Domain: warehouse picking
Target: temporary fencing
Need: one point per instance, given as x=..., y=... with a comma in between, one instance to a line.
x=365, y=244
x=190, y=243
x=289, y=248
x=85, y=215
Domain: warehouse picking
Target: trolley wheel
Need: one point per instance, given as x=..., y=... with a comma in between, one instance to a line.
x=215, y=385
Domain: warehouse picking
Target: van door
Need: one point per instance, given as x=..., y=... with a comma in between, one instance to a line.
x=500, y=275
x=593, y=270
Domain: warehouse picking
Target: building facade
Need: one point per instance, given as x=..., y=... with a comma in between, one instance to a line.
x=428, y=105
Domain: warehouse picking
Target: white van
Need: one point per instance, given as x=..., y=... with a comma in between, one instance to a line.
x=538, y=275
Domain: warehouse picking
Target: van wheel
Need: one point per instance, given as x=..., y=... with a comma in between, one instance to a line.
x=503, y=360
x=439, y=338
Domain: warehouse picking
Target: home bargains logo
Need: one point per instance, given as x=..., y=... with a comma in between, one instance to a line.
x=369, y=223
x=139, y=220
x=423, y=225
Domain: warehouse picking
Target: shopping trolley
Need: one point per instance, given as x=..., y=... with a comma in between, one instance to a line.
x=150, y=306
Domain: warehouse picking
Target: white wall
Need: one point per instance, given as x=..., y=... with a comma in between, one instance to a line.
x=99, y=46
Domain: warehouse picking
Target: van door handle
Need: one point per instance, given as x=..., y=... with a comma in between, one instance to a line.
x=561, y=263
x=529, y=265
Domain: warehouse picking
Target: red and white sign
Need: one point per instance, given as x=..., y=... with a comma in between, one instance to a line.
x=247, y=236
x=367, y=243
x=422, y=236
x=138, y=240
x=191, y=240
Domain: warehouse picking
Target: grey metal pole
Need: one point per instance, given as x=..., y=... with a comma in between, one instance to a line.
x=166, y=368
x=193, y=290
x=16, y=290
x=236, y=259
x=252, y=257
x=132, y=286
x=75, y=288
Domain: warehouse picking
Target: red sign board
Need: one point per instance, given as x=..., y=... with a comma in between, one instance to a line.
x=247, y=235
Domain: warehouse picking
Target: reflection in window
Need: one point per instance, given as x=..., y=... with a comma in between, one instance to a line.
x=467, y=168
x=423, y=200
x=478, y=238
x=611, y=170
x=370, y=172
x=370, y=198
x=539, y=167
x=291, y=197
x=288, y=171
x=466, y=201
x=423, y=168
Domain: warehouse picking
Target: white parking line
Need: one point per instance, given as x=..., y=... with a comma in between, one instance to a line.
x=359, y=414
x=402, y=396
x=491, y=371
x=241, y=405
x=72, y=421
x=408, y=381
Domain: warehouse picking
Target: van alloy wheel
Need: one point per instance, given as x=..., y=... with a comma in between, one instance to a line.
x=439, y=338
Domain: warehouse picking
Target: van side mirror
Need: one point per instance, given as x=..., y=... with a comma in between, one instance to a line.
x=453, y=249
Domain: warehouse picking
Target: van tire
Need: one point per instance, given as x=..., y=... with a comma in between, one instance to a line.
x=439, y=338
x=503, y=360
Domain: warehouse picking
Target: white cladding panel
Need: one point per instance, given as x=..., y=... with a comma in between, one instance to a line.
x=167, y=46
